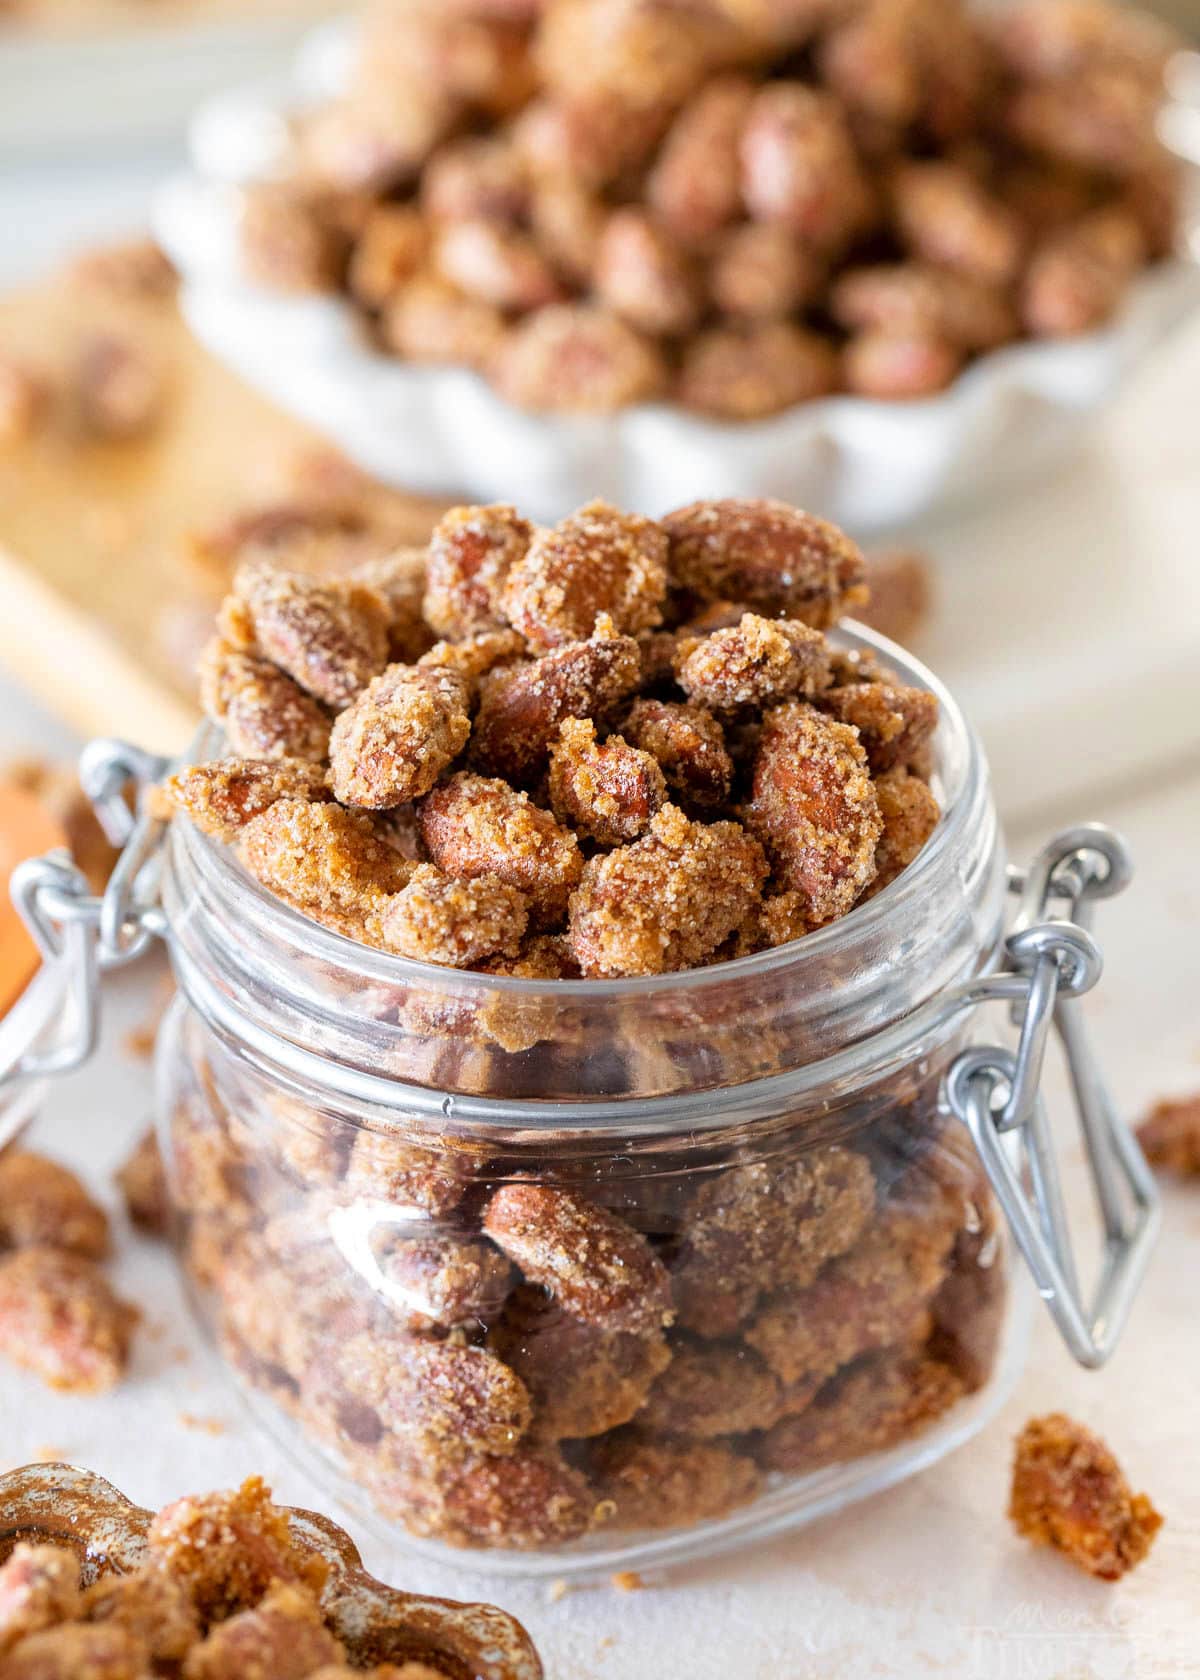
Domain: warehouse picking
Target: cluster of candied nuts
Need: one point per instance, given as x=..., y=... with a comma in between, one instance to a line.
x=738, y=206
x=227, y=1591
x=1069, y=1492
x=59, y=1317
x=631, y=750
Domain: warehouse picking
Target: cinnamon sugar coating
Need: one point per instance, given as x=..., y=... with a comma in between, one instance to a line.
x=755, y=663
x=1069, y=1492
x=598, y=561
x=1170, y=1135
x=477, y=825
x=777, y=560
x=608, y=790
x=471, y=552
x=221, y=797
x=41, y=1201
x=457, y=922
x=667, y=901
x=326, y=861
x=473, y=657
x=893, y=721
x=443, y=1281
x=264, y=713
x=330, y=636
x=689, y=746
x=392, y=743
x=815, y=809
x=401, y=579
x=60, y=1319
x=909, y=813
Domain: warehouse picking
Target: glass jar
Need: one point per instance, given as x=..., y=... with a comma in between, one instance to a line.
x=592, y=1274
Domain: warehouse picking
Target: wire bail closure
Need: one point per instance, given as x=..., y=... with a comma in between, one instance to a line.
x=996, y=1093
x=1052, y=960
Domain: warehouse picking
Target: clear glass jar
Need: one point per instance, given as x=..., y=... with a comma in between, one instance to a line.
x=593, y=1274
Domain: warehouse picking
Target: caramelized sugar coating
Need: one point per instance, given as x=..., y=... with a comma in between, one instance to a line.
x=39, y=1585
x=454, y=921
x=264, y=713
x=330, y=635
x=670, y=1484
x=326, y=861
x=471, y=553
x=583, y=1379
x=41, y=1201
x=69, y=1652
x=814, y=808
x=283, y=1638
x=894, y=722
x=608, y=790
x=689, y=746
x=754, y=663
x=152, y=1606
x=1069, y=1492
x=1170, y=1135
x=712, y=1389
x=522, y=706
x=60, y=1319
x=874, y=1404
x=392, y=743
x=478, y=825
x=909, y=813
x=597, y=562
x=228, y=1549
x=775, y=559
x=222, y=796
x=576, y=358
x=596, y=1266
x=667, y=901
x=752, y=371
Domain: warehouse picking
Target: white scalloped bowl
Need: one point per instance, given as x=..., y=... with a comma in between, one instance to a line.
x=865, y=464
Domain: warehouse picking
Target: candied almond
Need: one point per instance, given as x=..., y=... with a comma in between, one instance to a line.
x=392, y=743
x=596, y=1266
x=476, y=825
x=608, y=790
x=753, y=370
x=471, y=552
x=1079, y=275
x=475, y=656
x=443, y=1280
x=41, y=1201
x=286, y=243
x=775, y=559
x=711, y=1389
x=761, y=273
x=910, y=813
x=1170, y=1135
x=756, y=662
x=667, y=901
x=459, y=922
x=283, y=1636
x=327, y=861
x=263, y=712
x=897, y=366
x=670, y=1484
x=400, y=578
x=597, y=561
x=222, y=796
x=526, y=1499
x=689, y=744
x=387, y=1168
x=72, y=1651
x=39, y=1586
x=894, y=721
x=799, y=165
x=428, y=320
x=60, y=1319
x=695, y=184
x=476, y=178
x=947, y=218
x=330, y=635
x=814, y=808
x=228, y=1548
x=151, y=1605
x=913, y=299
x=644, y=276
x=390, y=249
x=576, y=358
x=497, y=265
x=522, y=706
x=1069, y=1492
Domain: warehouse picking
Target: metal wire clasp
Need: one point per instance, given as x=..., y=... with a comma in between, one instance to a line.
x=53, y=1026
x=995, y=1092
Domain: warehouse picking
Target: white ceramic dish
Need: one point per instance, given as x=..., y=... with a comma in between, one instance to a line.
x=865, y=464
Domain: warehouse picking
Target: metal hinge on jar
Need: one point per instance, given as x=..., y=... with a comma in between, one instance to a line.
x=1051, y=961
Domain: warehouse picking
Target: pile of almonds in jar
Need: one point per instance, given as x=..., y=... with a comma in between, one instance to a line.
x=738, y=205
x=632, y=751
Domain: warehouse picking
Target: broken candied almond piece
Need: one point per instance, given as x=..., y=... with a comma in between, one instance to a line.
x=39, y=1586
x=689, y=745
x=41, y=1201
x=453, y=920
x=1170, y=1135
x=598, y=561
x=479, y=825
x=608, y=790
x=667, y=901
x=669, y=1484
x=522, y=706
x=1069, y=1492
x=283, y=1636
x=225, y=794
x=776, y=559
x=894, y=721
x=471, y=553
x=330, y=635
x=227, y=1549
x=392, y=743
x=263, y=712
x=60, y=1319
x=814, y=807
x=142, y=1181
x=326, y=861
x=596, y=1266
x=754, y=663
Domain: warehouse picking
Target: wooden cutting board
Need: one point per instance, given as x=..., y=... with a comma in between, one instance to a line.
x=101, y=608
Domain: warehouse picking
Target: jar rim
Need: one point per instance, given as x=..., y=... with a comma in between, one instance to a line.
x=963, y=755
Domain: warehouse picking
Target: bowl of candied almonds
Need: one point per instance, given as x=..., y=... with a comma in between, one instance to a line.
x=867, y=258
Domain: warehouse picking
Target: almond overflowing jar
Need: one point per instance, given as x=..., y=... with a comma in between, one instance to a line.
x=555, y=1146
